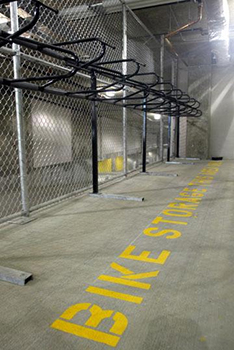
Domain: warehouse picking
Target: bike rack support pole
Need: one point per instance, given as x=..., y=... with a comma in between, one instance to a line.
x=94, y=135
x=169, y=138
x=178, y=137
x=144, y=136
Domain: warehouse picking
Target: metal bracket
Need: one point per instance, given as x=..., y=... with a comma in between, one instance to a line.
x=189, y=158
x=159, y=174
x=14, y=276
x=180, y=163
x=116, y=196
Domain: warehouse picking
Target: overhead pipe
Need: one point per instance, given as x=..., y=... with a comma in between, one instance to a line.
x=180, y=29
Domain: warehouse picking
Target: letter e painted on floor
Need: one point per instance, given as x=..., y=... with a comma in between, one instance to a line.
x=144, y=256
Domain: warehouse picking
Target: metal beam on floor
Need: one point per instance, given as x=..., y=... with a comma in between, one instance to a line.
x=14, y=276
x=159, y=174
x=116, y=196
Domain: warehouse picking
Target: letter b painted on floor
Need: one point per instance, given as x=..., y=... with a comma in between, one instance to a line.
x=89, y=330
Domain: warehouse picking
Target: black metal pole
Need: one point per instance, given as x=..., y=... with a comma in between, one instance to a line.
x=178, y=137
x=144, y=136
x=94, y=135
x=169, y=138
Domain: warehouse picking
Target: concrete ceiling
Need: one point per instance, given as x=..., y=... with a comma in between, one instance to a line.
x=195, y=44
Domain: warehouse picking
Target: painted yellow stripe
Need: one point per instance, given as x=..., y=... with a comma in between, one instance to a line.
x=105, y=166
x=123, y=270
x=144, y=256
x=86, y=333
x=119, y=164
x=140, y=276
x=183, y=206
x=189, y=200
x=159, y=219
x=115, y=295
x=118, y=280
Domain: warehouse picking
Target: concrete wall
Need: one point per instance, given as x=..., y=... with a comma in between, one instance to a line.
x=222, y=112
x=198, y=129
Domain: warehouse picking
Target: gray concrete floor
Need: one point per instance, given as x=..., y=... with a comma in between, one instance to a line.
x=190, y=305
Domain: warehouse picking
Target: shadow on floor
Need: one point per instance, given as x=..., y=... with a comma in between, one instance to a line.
x=174, y=333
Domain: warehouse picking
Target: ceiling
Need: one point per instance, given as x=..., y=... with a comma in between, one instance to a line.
x=195, y=44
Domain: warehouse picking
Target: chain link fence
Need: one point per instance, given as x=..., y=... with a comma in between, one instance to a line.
x=153, y=141
x=58, y=146
x=165, y=137
x=183, y=76
x=144, y=46
x=57, y=130
x=110, y=142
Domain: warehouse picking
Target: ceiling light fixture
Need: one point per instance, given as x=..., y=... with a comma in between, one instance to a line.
x=157, y=116
x=110, y=93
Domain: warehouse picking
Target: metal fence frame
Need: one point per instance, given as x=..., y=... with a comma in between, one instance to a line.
x=17, y=56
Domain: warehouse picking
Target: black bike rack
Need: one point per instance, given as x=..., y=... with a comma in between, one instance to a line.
x=146, y=97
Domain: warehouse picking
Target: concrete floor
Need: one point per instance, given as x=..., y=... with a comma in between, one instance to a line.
x=190, y=305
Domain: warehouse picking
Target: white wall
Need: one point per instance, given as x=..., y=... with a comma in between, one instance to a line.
x=52, y=134
x=222, y=112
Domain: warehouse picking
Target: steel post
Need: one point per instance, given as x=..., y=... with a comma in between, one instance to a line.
x=174, y=74
x=144, y=135
x=19, y=114
x=94, y=136
x=124, y=71
x=162, y=54
x=169, y=139
x=178, y=136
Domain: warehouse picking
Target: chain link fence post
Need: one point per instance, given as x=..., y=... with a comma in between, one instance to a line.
x=124, y=57
x=51, y=159
x=174, y=119
x=162, y=52
x=19, y=114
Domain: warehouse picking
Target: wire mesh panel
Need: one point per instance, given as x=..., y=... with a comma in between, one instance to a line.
x=183, y=137
x=58, y=146
x=167, y=66
x=110, y=141
x=153, y=141
x=165, y=137
x=134, y=139
x=183, y=85
x=57, y=130
x=173, y=137
x=77, y=20
x=10, y=198
x=142, y=46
